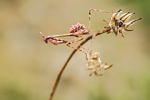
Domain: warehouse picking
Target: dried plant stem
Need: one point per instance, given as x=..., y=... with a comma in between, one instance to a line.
x=69, y=58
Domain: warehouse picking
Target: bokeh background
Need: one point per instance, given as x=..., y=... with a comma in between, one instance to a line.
x=28, y=66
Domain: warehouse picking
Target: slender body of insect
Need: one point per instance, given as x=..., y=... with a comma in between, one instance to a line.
x=53, y=39
x=76, y=31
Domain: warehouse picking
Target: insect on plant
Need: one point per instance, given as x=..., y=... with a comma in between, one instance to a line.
x=94, y=63
x=117, y=24
x=76, y=31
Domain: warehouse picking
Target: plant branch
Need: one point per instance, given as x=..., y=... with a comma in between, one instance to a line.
x=69, y=58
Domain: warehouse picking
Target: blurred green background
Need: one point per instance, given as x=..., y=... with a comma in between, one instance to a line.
x=28, y=66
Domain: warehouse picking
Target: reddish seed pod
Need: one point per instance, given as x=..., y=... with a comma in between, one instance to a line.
x=77, y=27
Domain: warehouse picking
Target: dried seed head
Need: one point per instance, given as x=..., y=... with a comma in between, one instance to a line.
x=118, y=23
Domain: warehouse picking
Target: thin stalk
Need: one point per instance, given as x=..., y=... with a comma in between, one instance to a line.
x=69, y=58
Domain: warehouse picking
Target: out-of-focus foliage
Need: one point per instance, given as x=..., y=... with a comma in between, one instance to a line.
x=143, y=7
